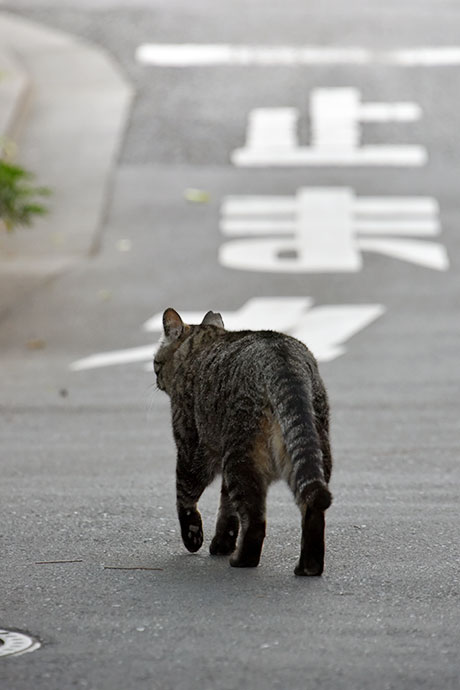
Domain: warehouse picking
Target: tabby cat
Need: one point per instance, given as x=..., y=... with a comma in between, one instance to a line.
x=251, y=405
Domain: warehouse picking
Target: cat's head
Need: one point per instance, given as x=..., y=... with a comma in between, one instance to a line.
x=175, y=333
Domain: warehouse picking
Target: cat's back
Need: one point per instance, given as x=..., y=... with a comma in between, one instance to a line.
x=238, y=361
x=244, y=379
x=259, y=348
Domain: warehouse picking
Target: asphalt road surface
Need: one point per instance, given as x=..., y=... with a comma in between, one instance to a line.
x=87, y=469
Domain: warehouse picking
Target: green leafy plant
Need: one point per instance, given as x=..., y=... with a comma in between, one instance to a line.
x=20, y=198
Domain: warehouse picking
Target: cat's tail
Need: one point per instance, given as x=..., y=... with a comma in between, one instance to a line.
x=292, y=404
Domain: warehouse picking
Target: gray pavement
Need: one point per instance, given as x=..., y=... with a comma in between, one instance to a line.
x=87, y=460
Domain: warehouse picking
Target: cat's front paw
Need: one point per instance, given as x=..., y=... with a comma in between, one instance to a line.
x=191, y=529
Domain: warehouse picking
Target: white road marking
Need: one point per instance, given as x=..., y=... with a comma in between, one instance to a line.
x=427, y=227
x=323, y=329
x=400, y=156
x=196, y=55
x=335, y=114
x=389, y=112
x=205, y=55
x=440, y=56
x=401, y=205
x=327, y=229
x=275, y=125
x=427, y=254
x=247, y=206
x=423, y=227
x=325, y=232
x=107, y=359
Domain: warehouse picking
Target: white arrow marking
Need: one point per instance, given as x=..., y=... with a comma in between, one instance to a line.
x=323, y=329
x=108, y=359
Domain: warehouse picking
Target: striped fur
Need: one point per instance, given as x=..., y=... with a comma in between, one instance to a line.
x=252, y=406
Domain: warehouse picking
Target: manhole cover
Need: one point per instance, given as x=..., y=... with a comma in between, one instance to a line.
x=13, y=642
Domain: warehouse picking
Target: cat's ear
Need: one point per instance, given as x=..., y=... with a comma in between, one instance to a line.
x=212, y=318
x=172, y=324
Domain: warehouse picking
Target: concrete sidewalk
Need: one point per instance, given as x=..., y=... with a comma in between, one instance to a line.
x=66, y=105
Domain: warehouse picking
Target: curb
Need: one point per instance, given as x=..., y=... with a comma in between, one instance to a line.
x=78, y=106
x=14, y=89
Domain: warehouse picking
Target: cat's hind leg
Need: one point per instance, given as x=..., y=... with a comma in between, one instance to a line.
x=311, y=561
x=247, y=488
x=227, y=526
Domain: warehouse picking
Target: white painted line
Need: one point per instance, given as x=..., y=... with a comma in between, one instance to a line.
x=287, y=205
x=425, y=228
x=278, y=256
x=400, y=156
x=202, y=55
x=395, y=226
x=325, y=329
x=334, y=116
x=390, y=112
x=396, y=205
x=207, y=55
x=440, y=56
x=276, y=125
x=107, y=359
x=325, y=232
